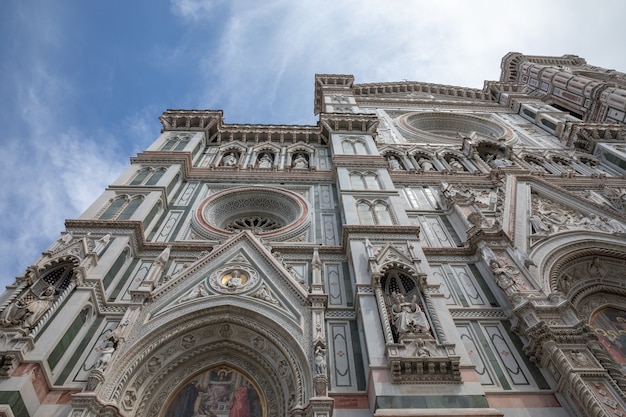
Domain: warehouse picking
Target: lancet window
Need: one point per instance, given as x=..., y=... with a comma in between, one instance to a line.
x=364, y=181
x=354, y=146
x=375, y=213
x=121, y=208
x=176, y=143
x=148, y=176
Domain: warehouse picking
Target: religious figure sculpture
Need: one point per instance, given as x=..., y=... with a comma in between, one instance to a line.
x=300, y=162
x=27, y=313
x=408, y=317
x=320, y=360
x=456, y=165
x=394, y=164
x=105, y=355
x=425, y=164
x=199, y=291
x=504, y=278
x=265, y=161
x=499, y=161
x=229, y=160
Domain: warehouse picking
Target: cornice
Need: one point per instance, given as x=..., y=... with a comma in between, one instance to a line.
x=268, y=133
x=374, y=89
x=365, y=123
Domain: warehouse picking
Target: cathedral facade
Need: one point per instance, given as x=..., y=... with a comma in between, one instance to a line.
x=424, y=250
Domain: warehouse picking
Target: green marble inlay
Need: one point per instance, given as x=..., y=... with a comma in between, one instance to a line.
x=14, y=400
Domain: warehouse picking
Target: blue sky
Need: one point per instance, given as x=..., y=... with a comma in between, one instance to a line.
x=84, y=82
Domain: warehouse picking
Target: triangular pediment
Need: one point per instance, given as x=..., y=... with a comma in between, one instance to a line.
x=543, y=210
x=242, y=268
x=390, y=256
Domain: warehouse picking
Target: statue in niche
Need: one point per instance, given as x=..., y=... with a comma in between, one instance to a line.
x=106, y=353
x=505, y=277
x=408, y=317
x=498, y=161
x=394, y=164
x=320, y=360
x=300, y=162
x=265, y=161
x=455, y=165
x=229, y=160
x=27, y=313
x=426, y=165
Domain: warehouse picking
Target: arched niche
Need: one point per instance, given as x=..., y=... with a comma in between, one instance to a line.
x=149, y=373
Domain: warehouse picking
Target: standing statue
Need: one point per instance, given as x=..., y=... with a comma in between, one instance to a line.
x=408, y=317
x=105, y=355
x=504, y=278
x=320, y=360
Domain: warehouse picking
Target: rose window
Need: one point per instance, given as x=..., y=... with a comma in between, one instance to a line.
x=265, y=211
x=256, y=224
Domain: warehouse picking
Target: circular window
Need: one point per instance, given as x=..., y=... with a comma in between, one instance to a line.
x=446, y=127
x=265, y=211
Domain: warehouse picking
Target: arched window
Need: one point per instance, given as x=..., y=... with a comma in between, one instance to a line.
x=382, y=214
x=114, y=208
x=354, y=147
x=148, y=176
x=176, y=143
x=374, y=213
x=364, y=181
x=141, y=176
x=366, y=214
x=130, y=208
x=121, y=208
x=156, y=176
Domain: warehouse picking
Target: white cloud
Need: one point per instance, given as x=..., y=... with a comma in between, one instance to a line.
x=259, y=68
x=193, y=9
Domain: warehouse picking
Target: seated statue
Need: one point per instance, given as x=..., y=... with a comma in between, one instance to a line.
x=27, y=313
x=265, y=161
x=408, y=317
x=394, y=164
x=300, y=162
x=229, y=160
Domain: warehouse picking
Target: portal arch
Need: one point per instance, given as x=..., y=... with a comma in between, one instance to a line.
x=149, y=372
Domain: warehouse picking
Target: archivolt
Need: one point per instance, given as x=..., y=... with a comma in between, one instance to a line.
x=158, y=362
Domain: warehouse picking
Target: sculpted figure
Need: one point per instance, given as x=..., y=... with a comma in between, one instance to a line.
x=265, y=161
x=27, y=313
x=320, y=360
x=504, y=278
x=300, y=162
x=229, y=160
x=105, y=355
x=499, y=162
x=456, y=165
x=408, y=316
x=394, y=164
x=425, y=164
